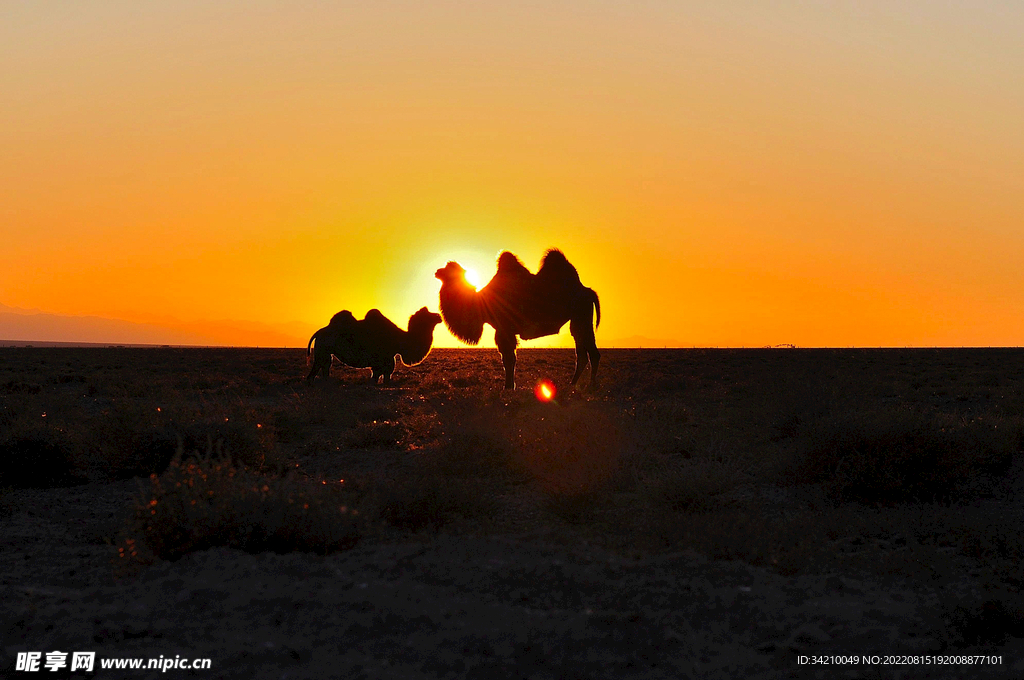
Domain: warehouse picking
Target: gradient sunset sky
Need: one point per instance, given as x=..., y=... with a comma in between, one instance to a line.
x=721, y=173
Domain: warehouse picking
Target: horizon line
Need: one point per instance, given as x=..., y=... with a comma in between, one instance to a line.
x=40, y=344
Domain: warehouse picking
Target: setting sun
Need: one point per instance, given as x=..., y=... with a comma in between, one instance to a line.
x=473, y=278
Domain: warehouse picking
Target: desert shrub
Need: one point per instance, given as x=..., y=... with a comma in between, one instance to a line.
x=571, y=450
x=904, y=456
x=984, y=624
x=797, y=544
x=199, y=503
x=38, y=459
x=579, y=455
x=995, y=544
x=322, y=404
x=694, y=485
x=382, y=434
x=288, y=425
x=20, y=387
x=476, y=451
x=130, y=444
x=580, y=506
x=677, y=469
x=416, y=502
x=243, y=441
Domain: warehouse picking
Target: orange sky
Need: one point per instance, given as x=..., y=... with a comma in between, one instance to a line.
x=733, y=173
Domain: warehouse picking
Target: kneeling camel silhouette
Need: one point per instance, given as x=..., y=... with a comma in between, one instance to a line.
x=517, y=302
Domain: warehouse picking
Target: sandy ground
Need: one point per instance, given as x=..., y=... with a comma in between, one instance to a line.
x=444, y=606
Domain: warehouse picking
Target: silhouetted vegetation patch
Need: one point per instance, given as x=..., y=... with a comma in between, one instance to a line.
x=39, y=459
x=680, y=450
x=571, y=450
x=140, y=454
x=417, y=502
x=578, y=506
x=131, y=449
x=324, y=405
x=996, y=543
x=789, y=545
x=694, y=485
x=985, y=624
x=21, y=387
x=289, y=426
x=200, y=503
x=377, y=434
x=903, y=456
x=475, y=451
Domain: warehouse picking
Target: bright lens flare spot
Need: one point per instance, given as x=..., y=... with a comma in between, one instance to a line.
x=545, y=390
x=472, y=278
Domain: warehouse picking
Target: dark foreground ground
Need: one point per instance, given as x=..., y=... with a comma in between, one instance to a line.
x=704, y=513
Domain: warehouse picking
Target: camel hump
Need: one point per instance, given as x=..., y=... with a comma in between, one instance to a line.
x=554, y=265
x=341, y=318
x=378, y=322
x=508, y=263
x=554, y=257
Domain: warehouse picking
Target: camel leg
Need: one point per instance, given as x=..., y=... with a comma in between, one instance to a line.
x=506, y=343
x=326, y=366
x=595, y=359
x=586, y=350
x=318, y=365
x=387, y=372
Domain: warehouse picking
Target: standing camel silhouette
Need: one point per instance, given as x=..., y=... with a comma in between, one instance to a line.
x=519, y=303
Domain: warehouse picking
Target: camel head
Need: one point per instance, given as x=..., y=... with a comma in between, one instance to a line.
x=424, y=321
x=453, y=273
x=421, y=336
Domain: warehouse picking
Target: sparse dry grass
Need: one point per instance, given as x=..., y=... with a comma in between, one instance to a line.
x=900, y=455
x=987, y=623
x=797, y=460
x=39, y=457
x=210, y=500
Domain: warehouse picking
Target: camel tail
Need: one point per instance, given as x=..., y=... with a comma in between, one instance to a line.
x=597, y=307
x=310, y=344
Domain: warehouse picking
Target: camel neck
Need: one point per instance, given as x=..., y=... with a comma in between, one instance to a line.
x=462, y=311
x=416, y=349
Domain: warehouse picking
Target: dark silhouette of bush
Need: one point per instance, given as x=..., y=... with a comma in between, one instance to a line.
x=142, y=453
x=416, y=502
x=473, y=451
x=985, y=624
x=200, y=503
x=37, y=460
x=901, y=456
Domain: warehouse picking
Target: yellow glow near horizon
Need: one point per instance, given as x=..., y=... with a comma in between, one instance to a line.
x=733, y=173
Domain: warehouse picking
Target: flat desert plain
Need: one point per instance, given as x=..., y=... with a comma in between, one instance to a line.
x=699, y=514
